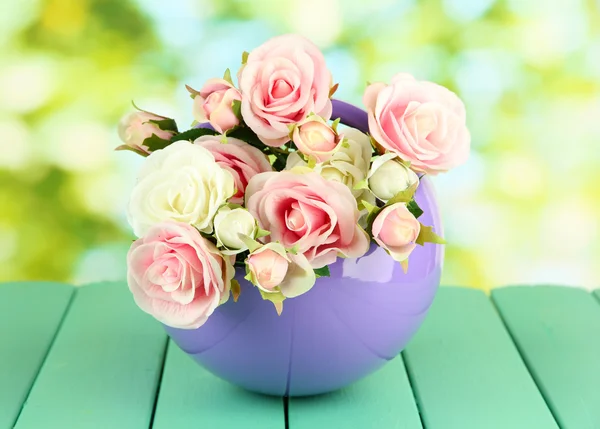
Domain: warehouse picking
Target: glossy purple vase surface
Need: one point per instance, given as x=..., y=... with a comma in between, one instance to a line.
x=347, y=326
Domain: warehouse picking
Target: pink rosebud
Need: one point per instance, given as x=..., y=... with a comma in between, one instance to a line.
x=239, y=158
x=319, y=217
x=314, y=137
x=396, y=230
x=274, y=270
x=214, y=103
x=283, y=81
x=178, y=276
x=420, y=121
x=136, y=127
x=268, y=268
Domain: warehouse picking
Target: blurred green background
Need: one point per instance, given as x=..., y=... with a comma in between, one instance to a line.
x=524, y=209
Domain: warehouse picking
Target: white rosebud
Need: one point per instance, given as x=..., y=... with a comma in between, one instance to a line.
x=389, y=176
x=181, y=182
x=229, y=224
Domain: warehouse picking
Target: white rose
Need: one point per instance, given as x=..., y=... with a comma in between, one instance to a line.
x=229, y=224
x=389, y=176
x=181, y=182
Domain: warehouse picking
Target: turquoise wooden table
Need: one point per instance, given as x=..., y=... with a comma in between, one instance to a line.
x=528, y=358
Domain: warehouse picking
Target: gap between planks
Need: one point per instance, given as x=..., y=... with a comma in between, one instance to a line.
x=58, y=328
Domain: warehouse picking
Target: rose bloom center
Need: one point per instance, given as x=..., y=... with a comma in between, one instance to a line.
x=281, y=88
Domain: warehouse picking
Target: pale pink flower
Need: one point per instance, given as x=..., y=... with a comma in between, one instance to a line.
x=316, y=216
x=396, y=230
x=273, y=270
x=135, y=127
x=314, y=137
x=178, y=276
x=237, y=157
x=420, y=121
x=283, y=81
x=214, y=103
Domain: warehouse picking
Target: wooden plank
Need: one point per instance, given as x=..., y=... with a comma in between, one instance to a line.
x=466, y=372
x=557, y=330
x=30, y=314
x=190, y=396
x=382, y=400
x=103, y=368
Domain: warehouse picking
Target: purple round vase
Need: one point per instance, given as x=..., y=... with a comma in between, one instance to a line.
x=347, y=326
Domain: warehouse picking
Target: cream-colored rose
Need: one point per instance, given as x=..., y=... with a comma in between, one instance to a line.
x=389, y=176
x=229, y=225
x=274, y=270
x=350, y=164
x=181, y=182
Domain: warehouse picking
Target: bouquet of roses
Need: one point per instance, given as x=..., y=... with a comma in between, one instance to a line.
x=265, y=180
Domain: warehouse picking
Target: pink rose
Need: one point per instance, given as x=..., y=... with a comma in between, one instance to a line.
x=239, y=158
x=214, y=103
x=178, y=276
x=316, y=216
x=136, y=127
x=314, y=137
x=396, y=230
x=422, y=122
x=283, y=81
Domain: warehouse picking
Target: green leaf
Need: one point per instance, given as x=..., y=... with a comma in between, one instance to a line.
x=312, y=162
x=322, y=272
x=428, y=236
x=166, y=124
x=236, y=108
x=370, y=207
x=404, y=196
x=363, y=184
x=192, y=91
x=249, y=242
x=262, y=233
x=276, y=298
x=414, y=208
x=404, y=265
x=335, y=124
x=245, y=57
x=193, y=134
x=227, y=76
x=154, y=143
x=132, y=149
x=247, y=135
x=235, y=289
x=294, y=249
x=333, y=89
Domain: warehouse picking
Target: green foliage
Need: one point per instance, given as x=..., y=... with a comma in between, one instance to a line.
x=427, y=235
x=166, y=124
x=236, y=107
x=193, y=133
x=322, y=272
x=156, y=143
x=414, y=208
